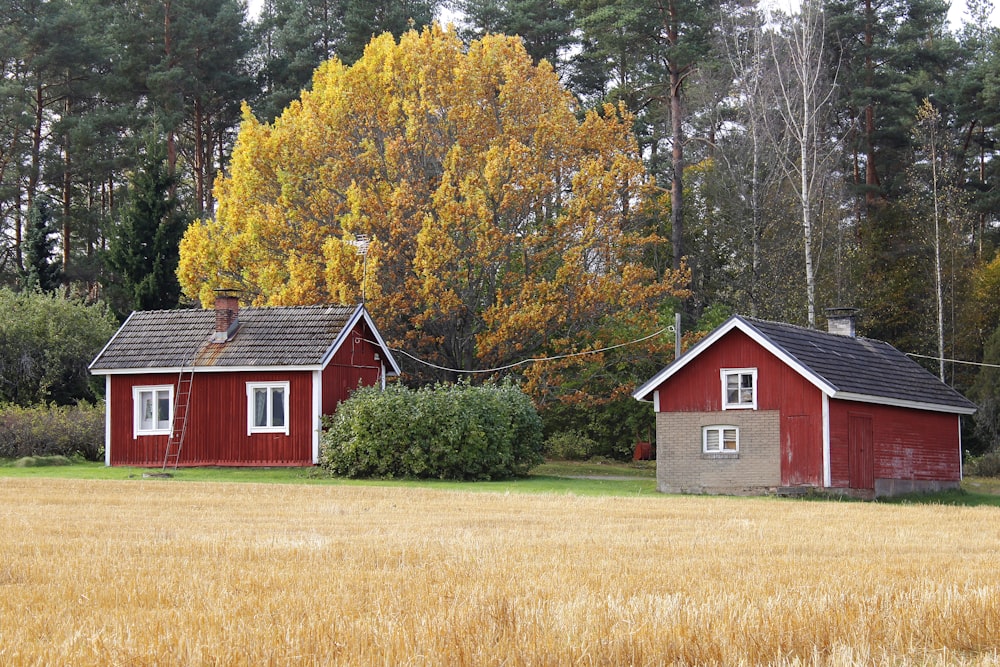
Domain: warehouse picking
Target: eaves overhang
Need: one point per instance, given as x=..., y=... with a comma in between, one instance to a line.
x=644, y=392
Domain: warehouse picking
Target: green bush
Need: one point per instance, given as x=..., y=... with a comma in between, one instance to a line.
x=46, y=343
x=613, y=426
x=570, y=446
x=50, y=430
x=449, y=432
x=42, y=461
x=987, y=465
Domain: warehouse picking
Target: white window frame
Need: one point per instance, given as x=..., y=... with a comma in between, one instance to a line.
x=720, y=429
x=725, y=374
x=137, y=392
x=269, y=386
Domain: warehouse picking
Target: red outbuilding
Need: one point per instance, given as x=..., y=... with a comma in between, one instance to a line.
x=233, y=387
x=764, y=407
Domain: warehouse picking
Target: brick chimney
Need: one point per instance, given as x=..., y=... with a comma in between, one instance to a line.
x=227, y=311
x=841, y=321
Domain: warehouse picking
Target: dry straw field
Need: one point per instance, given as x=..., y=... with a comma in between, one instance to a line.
x=163, y=572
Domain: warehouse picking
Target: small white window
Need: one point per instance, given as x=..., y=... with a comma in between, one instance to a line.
x=267, y=407
x=720, y=439
x=153, y=410
x=739, y=388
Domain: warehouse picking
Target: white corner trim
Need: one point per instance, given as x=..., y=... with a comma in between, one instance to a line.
x=961, y=458
x=107, y=420
x=317, y=410
x=656, y=400
x=827, y=472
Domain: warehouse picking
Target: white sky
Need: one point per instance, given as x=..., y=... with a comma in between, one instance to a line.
x=957, y=15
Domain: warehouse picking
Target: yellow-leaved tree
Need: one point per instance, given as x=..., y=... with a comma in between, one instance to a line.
x=504, y=224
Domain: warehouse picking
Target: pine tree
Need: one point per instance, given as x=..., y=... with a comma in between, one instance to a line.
x=143, y=251
x=295, y=36
x=651, y=50
x=545, y=26
x=43, y=272
x=892, y=55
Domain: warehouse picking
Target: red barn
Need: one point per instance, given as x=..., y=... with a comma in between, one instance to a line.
x=762, y=407
x=233, y=387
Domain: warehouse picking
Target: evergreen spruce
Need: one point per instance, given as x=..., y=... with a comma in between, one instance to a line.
x=143, y=252
x=43, y=272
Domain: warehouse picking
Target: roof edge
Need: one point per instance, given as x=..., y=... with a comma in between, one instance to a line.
x=900, y=403
x=174, y=370
x=90, y=366
x=747, y=327
x=360, y=312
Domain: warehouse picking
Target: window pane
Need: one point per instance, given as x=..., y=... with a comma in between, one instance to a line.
x=145, y=410
x=260, y=407
x=729, y=440
x=746, y=388
x=712, y=440
x=163, y=409
x=733, y=388
x=277, y=406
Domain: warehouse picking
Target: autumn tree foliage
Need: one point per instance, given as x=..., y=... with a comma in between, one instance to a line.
x=504, y=223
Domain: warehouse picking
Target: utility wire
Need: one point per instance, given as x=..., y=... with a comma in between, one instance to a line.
x=954, y=361
x=533, y=359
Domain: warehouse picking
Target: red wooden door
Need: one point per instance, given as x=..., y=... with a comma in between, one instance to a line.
x=861, y=452
x=799, y=451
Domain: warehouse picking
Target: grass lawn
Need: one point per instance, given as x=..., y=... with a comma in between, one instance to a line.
x=585, y=478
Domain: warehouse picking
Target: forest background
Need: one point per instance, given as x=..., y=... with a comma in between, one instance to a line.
x=844, y=154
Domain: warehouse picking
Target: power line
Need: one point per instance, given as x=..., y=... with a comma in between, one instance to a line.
x=954, y=361
x=533, y=359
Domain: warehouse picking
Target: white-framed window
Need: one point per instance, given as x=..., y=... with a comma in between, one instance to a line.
x=153, y=410
x=739, y=388
x=720, y=439
x=267, y=407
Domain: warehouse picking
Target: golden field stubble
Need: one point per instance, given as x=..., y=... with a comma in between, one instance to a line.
x=161, y=572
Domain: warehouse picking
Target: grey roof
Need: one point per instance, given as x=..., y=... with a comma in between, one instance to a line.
x=841, y=366
x=266, y=337
x=861, y=365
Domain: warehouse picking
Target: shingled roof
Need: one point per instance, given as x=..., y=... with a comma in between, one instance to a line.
x=843, y=367
x=273, y=337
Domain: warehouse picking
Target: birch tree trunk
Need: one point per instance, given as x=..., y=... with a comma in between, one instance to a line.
x=803, y=93
x=928, y=118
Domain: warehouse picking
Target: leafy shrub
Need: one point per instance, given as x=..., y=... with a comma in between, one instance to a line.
x=614, y=426
x=447, y=432
x=987, y=465
x=570, y=446
x=46, y=343
x=43, y=430
x=41, y=461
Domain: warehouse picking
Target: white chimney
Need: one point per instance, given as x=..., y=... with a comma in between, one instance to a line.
x=841, y=321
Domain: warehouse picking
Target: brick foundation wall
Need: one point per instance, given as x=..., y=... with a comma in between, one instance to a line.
x=682, y=467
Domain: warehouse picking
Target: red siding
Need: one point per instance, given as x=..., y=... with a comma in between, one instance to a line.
x=217, y=426
x=698, y=388
x=354, y=362
x=909, y=444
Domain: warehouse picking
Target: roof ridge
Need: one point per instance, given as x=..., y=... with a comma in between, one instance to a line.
x=789, y=325
x=200, y=309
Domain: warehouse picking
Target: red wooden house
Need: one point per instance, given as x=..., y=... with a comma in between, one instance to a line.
x=230, y=387
x=763, y=407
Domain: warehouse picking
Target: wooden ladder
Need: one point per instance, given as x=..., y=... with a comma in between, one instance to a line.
x=179, y=423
